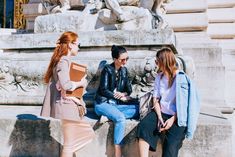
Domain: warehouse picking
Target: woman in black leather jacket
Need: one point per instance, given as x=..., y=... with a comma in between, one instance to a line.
x=113, y=95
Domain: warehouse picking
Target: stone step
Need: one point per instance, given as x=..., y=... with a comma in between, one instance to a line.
x=186, y=6
x=210, y=82
x=208, y=59
x=7, y=31
x=221, y=15
x=221, y=3
x=221, y=30
x=90, y=39
x=44, y=137
x=187, y=22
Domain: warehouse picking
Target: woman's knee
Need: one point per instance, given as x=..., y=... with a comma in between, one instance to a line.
x=120, y=118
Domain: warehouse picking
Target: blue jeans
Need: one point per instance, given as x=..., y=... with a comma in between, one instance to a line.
x=118, y=113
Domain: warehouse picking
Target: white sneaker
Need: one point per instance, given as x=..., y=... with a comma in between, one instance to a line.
x=103, y=119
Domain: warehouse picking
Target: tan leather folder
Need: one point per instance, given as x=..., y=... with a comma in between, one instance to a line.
x=76, y=72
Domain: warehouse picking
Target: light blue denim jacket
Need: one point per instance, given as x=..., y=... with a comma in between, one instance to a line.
x=187, y=103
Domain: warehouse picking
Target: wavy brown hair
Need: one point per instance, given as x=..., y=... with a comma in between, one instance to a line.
x=60, y=50
x=167, y=63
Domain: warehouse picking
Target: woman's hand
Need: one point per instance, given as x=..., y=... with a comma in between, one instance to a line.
x=168, y=123
x=160, y=123
x=125, y=98
x=119, y=95
x=83, y=82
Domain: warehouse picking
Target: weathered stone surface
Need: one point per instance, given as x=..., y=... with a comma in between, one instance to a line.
x=221, y=30
x=187, y=22
x=44, y=137
x=228, y=61
x=131, y=13
x=83, y=21
x=221, y=15
x=186, y=6
x=210, y=71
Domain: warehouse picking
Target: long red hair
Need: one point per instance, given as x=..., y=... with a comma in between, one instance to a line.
x=61, y=49
x=167, y=63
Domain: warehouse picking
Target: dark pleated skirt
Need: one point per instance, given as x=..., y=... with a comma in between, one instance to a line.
x=148, y=130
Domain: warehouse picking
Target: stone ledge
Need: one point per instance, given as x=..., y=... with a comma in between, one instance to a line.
x=90, y=39
x=43, y=137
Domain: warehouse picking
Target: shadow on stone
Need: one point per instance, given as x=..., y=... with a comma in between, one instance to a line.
x=31, y=138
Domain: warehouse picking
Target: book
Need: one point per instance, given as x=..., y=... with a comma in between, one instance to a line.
x=76, y=73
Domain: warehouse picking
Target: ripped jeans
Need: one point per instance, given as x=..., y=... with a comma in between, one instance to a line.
x=118, y=113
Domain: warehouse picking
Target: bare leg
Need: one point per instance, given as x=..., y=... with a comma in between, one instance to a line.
x=66, y=150
x=118, y=152
x=66, y=154
x=76, y=135
x=143, y=148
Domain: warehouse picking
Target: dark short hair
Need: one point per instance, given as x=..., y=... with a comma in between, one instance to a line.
x=117, y=51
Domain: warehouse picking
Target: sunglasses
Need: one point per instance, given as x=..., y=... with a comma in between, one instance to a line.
x=165, y=49
x=123, y=60
x=79, y=45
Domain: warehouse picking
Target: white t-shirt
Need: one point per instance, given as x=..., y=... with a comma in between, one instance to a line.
x=166, y=95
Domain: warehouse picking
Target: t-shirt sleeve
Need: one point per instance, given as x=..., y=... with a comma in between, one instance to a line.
x=156, y=92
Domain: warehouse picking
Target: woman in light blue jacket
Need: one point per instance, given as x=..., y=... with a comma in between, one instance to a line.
x=175, y=108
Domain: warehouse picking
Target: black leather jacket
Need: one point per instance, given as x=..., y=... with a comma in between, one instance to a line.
x=108, y=83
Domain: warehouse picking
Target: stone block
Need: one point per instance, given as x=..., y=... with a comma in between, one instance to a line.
x=33, y=9
x=44, y=137
x=221, y=3
x=221, y=30
x=186, y=6
x=30, y=23
x=221, y=15
x=187, y=22
x=90, y=39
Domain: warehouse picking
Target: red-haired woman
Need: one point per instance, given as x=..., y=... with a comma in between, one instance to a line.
x=77, y=133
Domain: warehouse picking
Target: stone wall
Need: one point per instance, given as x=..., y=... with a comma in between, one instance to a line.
x=44, y=138
x=25, y=59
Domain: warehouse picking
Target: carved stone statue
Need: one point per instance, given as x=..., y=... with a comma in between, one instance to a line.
x=99, y=15
x=154, y=6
